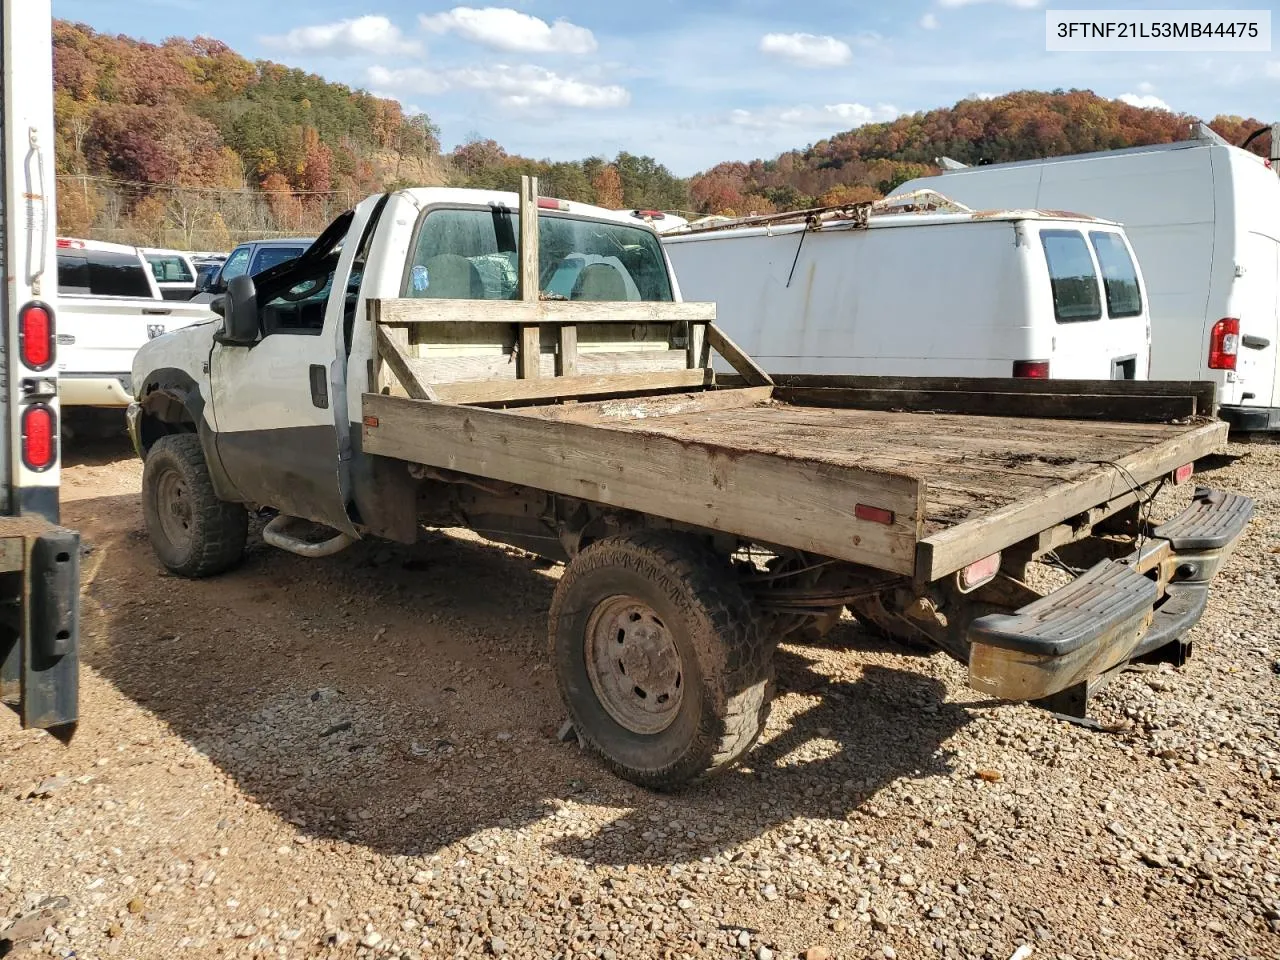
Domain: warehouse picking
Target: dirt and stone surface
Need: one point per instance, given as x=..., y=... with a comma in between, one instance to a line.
x=358, y=757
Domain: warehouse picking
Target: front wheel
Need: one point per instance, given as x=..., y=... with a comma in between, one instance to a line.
x=193, y=533
x=659, y=658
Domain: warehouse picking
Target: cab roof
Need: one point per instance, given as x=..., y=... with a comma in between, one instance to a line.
x=428, y=196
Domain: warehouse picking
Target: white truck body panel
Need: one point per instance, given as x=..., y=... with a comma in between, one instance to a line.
x=1204, y=219
x=911, y=295
x=99, y=334
x=98, y=337
x=27, y=206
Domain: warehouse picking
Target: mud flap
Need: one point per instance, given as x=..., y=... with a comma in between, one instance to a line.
x=39, y=646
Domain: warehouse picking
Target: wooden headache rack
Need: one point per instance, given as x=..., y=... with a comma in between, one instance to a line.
x=536, y=349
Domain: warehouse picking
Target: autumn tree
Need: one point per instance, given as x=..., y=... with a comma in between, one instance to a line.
x=607, y=186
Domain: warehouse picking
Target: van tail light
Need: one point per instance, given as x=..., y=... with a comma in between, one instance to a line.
x=39, y=437
x=1031, y=369
x=550, y=203
x=1224, y=344
x=35, y=335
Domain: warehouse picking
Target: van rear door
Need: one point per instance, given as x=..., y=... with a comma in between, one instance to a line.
x=1254, y=302
x=1098, y=313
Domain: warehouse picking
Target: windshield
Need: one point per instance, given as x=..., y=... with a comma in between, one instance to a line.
x=474, y=255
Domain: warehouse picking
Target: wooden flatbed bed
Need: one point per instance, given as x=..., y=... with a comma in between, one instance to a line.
x=754, y=462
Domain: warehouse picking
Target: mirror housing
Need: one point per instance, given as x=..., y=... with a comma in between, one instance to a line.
x=238, y=308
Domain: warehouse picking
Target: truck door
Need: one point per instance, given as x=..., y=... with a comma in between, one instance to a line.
x=279, y=405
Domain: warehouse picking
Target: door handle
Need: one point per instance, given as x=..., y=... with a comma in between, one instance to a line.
x=155, y=312
x=1255, y=343
x=319, y=375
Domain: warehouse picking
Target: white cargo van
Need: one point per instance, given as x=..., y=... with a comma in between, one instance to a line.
x=1016, y=293
x=1204, y=219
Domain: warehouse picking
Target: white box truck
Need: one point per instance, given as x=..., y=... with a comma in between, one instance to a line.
x=1204, y=219
x=39, y=560
x=1015, y=293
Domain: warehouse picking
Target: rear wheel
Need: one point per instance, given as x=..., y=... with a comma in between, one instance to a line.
x=659, y=658
x=193, y=533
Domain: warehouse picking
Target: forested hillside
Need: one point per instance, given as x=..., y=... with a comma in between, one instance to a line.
x=869, y=162
x=189, y=144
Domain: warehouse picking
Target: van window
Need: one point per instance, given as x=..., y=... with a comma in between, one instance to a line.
x=99, y=273
x=169, y=269
x=473, y=255
x=1119, y=278
x=1075, y=282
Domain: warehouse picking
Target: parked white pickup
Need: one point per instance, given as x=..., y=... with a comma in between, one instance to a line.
x=109, y=306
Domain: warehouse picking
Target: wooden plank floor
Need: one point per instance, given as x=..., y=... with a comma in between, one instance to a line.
x=971, y=465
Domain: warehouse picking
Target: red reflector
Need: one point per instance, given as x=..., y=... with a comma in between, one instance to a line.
x=370, y=421
x=65, y=244
x=1031, y=369
x=35, y=336
x=979, y=572
x=1224, y=344
x=39, y=437
x=1183, y=473
x=873, y=514
x=550, y=203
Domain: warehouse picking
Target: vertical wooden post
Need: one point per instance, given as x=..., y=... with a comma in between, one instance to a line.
x=530, y=341
x=697, y=343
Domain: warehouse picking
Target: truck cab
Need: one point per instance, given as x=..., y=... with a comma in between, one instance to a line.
x=277, y=400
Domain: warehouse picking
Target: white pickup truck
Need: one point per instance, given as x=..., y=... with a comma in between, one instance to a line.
x=111, y=305
x=458, y=358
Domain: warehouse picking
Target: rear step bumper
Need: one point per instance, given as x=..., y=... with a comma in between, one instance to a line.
x=1114, y=612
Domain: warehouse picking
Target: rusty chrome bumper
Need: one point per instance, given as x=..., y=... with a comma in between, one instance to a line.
x=1114, y=612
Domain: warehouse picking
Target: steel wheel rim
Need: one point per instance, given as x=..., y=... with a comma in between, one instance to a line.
x=173, y=508
x=634, y=665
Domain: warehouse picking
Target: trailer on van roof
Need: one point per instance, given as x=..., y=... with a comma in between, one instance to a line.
x=1204, y=219
x=907, y=289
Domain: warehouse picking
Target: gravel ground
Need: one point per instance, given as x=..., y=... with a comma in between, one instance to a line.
x=357, y=757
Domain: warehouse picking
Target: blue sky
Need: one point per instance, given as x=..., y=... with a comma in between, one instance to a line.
x=690, y=82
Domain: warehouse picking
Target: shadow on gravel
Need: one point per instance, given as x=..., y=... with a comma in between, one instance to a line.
x=96, y=450
x=400, y=698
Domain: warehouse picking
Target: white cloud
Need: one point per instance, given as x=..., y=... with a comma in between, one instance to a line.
x=504, y=29
x=1146, y=101
x=807, y=49
x=929, y=21
x=370, y=34
x=1024, y=4
x=523, y=86
x=832, y=116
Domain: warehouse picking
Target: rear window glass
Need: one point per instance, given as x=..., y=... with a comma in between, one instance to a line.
x=1119, y=278
x=269, y=257
x=1071, y=273
x=473, y=255
x=98, y=273
x=169, y=269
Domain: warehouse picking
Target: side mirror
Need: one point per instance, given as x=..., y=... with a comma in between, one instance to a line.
x=238, y=308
